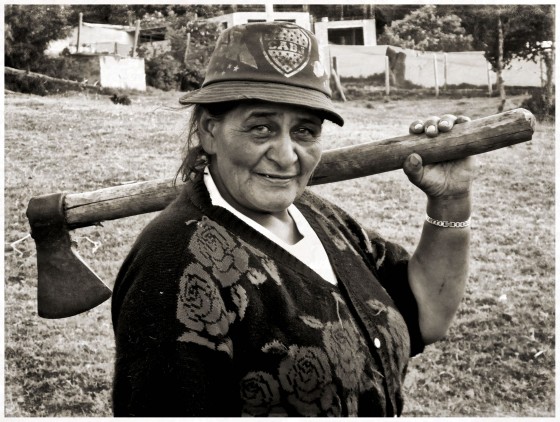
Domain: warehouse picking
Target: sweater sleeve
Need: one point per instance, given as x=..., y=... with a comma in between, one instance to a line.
x=174, y=352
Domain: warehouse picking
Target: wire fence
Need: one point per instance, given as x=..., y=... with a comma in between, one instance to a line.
x=411, y=68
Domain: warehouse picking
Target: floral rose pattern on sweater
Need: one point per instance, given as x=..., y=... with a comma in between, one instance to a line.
x=201, y=309
x=211, y=298
x=305, y=374
x=214, y=248
x=201, y=305
x=260, y=392
x=342, y=344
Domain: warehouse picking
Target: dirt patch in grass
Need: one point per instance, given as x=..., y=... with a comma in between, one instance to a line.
x=498, y=358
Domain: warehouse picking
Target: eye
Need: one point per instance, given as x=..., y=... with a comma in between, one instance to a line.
x=261, y=130
x=305, y=133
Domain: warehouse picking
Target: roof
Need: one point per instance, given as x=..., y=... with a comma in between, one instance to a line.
x=107, y=26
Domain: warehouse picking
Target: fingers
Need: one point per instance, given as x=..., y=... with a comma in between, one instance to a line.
x=434, y=124
x=413, y=168
x=443, y=124
x=416, y=127
x=431, y=126
x=446, y=122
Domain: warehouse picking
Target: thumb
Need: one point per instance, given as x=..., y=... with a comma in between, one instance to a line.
x=413, y=168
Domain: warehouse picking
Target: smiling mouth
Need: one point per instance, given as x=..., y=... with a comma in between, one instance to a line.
x=277, y=176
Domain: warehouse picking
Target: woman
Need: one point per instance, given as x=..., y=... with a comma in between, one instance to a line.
x=249, y=295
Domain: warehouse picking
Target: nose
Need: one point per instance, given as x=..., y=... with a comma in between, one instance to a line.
x=282, y=151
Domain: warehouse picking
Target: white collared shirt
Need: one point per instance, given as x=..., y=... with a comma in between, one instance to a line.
x=308, y=250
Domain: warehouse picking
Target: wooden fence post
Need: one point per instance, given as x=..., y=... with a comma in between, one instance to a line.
x=185, y=59
x=136, y=34
x=387, y=77
x=336, y=79
x=488, y=68
x=80, y=19
x=445, y=71
x=436, y=75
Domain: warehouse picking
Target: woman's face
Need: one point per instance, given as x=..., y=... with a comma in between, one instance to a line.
x=263, y=154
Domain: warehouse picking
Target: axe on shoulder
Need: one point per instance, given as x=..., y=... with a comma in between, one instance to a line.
x=67, y=286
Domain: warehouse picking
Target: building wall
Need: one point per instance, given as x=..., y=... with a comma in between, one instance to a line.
x=96, y=38
x=368, y=26
x=301, y=18
x=122, y=72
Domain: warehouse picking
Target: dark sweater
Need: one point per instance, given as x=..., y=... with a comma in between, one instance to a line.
x=212, y=318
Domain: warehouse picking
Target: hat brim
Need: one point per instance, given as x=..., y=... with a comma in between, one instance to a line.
x=220, y=92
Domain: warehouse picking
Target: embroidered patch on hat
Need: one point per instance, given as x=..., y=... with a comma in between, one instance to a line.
x=287, y=50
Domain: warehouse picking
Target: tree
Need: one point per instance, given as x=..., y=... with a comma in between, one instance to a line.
x=507, y=31
x=536, y=39
x=28, y=31
x=113, y=14
x=191, y=42
x=385, y=14
x=427, y=30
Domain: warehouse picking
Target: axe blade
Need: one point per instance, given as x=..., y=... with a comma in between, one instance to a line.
x=66, y=285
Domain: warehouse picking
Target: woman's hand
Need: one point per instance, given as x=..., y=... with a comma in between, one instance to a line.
x=445, y=180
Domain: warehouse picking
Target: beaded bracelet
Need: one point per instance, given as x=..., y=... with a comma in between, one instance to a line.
x=453, y=224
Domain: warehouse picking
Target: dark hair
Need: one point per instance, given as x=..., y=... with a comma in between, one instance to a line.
x=195, y=158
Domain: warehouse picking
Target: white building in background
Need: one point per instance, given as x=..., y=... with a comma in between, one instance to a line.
x=302, y=19
x=96, y=38
x=104, y=55
x=350, y=32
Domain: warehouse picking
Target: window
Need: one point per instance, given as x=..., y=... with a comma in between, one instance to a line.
x=346, y=36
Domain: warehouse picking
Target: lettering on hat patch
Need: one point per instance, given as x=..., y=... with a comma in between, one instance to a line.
x=287, y=50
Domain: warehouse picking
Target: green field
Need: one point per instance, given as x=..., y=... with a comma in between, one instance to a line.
x=498, y=358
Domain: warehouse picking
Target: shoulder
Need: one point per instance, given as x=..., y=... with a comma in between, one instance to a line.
x=169, y=230
x=158, y=255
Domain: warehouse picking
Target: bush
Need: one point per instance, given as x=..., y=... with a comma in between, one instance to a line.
x=25, y=84
x=191, y=79
x=37, y=85
x=163, y=72
x=538, y=105
x=60, y=67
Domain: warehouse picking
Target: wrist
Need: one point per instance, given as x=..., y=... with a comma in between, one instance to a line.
x=450, y=208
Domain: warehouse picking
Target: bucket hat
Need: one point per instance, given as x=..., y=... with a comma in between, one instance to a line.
x=273, y=61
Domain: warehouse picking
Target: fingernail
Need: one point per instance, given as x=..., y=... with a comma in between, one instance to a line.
x=444, y=123
x=414, y=160
x=418, y=126
x=431, y=130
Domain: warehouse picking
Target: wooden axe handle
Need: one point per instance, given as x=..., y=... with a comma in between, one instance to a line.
x=470, y=138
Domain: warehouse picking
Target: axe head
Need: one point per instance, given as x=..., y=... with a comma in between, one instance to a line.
x=66, y=285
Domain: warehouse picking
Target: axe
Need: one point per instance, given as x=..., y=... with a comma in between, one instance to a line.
x=66, y=284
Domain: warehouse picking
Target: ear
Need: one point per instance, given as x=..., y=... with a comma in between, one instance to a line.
x=206, y=132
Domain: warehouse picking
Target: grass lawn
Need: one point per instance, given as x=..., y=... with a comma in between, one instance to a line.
x=498, y=358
